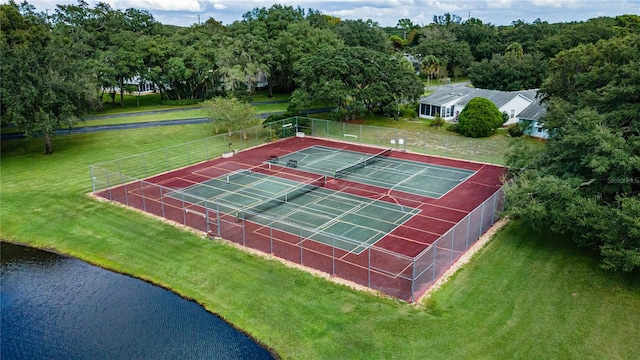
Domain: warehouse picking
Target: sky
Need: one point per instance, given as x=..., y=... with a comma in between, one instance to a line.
x=384, y=12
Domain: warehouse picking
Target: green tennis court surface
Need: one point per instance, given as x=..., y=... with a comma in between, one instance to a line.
x=402, y=175
x=303, y=209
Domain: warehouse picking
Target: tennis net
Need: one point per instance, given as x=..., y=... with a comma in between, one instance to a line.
x=281, y=198
x=249, y=175
x=346, y=170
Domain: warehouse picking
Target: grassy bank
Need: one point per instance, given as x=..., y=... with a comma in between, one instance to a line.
x=522, y=297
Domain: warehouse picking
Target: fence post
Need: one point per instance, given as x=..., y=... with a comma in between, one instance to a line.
x=126, y=195
x=369, y=269
x=218, y=219
x=333, y=256
x=244, y=242
x=468, y=226
x=397, y=138
x=406, y=139
x=453, y=238
x=162, y=202
x=435, y=249
x=109, y=187
x=482, y=220
x=493, y=212
x=144, y=202
x=144, y=164
x=184, y=212
x=120, y=168
x=207, y=227
x=93, y=184
x=413, y=279
x=166, y=158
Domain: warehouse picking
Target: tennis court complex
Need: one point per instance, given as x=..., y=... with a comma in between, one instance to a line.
x=384, y=218
x=350, y=222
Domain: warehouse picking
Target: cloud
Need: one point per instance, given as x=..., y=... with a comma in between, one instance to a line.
x=384, y=12
x=499, y=4
x=159, y=5
x=558, y=3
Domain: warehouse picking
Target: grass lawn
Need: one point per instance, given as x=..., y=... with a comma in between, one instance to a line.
x=420, y=137
x=152, y=102
x=521, y=297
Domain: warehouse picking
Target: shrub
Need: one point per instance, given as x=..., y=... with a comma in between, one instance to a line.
x=453, y=128
x=338, y=115
x=480, y=118
x=438, y=121
x=516, y=131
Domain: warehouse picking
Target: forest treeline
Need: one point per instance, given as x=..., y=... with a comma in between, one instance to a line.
x=583, y=185
x=114, y=47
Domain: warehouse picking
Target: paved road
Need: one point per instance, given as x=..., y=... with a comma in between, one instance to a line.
x=91, y=129
x=114, y=116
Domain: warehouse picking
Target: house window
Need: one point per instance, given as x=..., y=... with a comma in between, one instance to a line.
x=539, y=129
x=424, y=109
x=435, y=110
x=513, y=113
x=448, y=112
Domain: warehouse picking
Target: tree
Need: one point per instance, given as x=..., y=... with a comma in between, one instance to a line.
x=584, y=185
x=479, y=118
x=430, y=66
x=482, y=38
x=355, y=79
x=453, y=56
x=266, y=28
x=363, y=33
x=447, y=19
x=603, y=76
x=230, y=114
x=45, y=86
x=509, y=72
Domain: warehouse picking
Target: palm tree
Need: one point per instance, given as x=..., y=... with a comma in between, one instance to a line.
x=430, y=66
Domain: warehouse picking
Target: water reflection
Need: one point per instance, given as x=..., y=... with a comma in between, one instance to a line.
x=55, y=307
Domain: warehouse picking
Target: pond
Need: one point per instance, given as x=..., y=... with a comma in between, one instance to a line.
x=55, y=307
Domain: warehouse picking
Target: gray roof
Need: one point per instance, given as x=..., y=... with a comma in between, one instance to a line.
x=462, y=95
x=445, y=96
x=535, y=111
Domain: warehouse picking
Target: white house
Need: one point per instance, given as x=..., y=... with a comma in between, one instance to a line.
x=448, y=102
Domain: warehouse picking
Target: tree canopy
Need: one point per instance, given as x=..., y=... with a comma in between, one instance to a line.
x=45, y=85
x=356, y=79
x=585, y=183
x=230, y=113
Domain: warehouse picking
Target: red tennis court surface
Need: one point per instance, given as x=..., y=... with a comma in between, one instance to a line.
x=402, y=264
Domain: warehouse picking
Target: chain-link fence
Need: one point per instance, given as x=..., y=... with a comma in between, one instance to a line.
x=436, y=142
x=140, y=181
